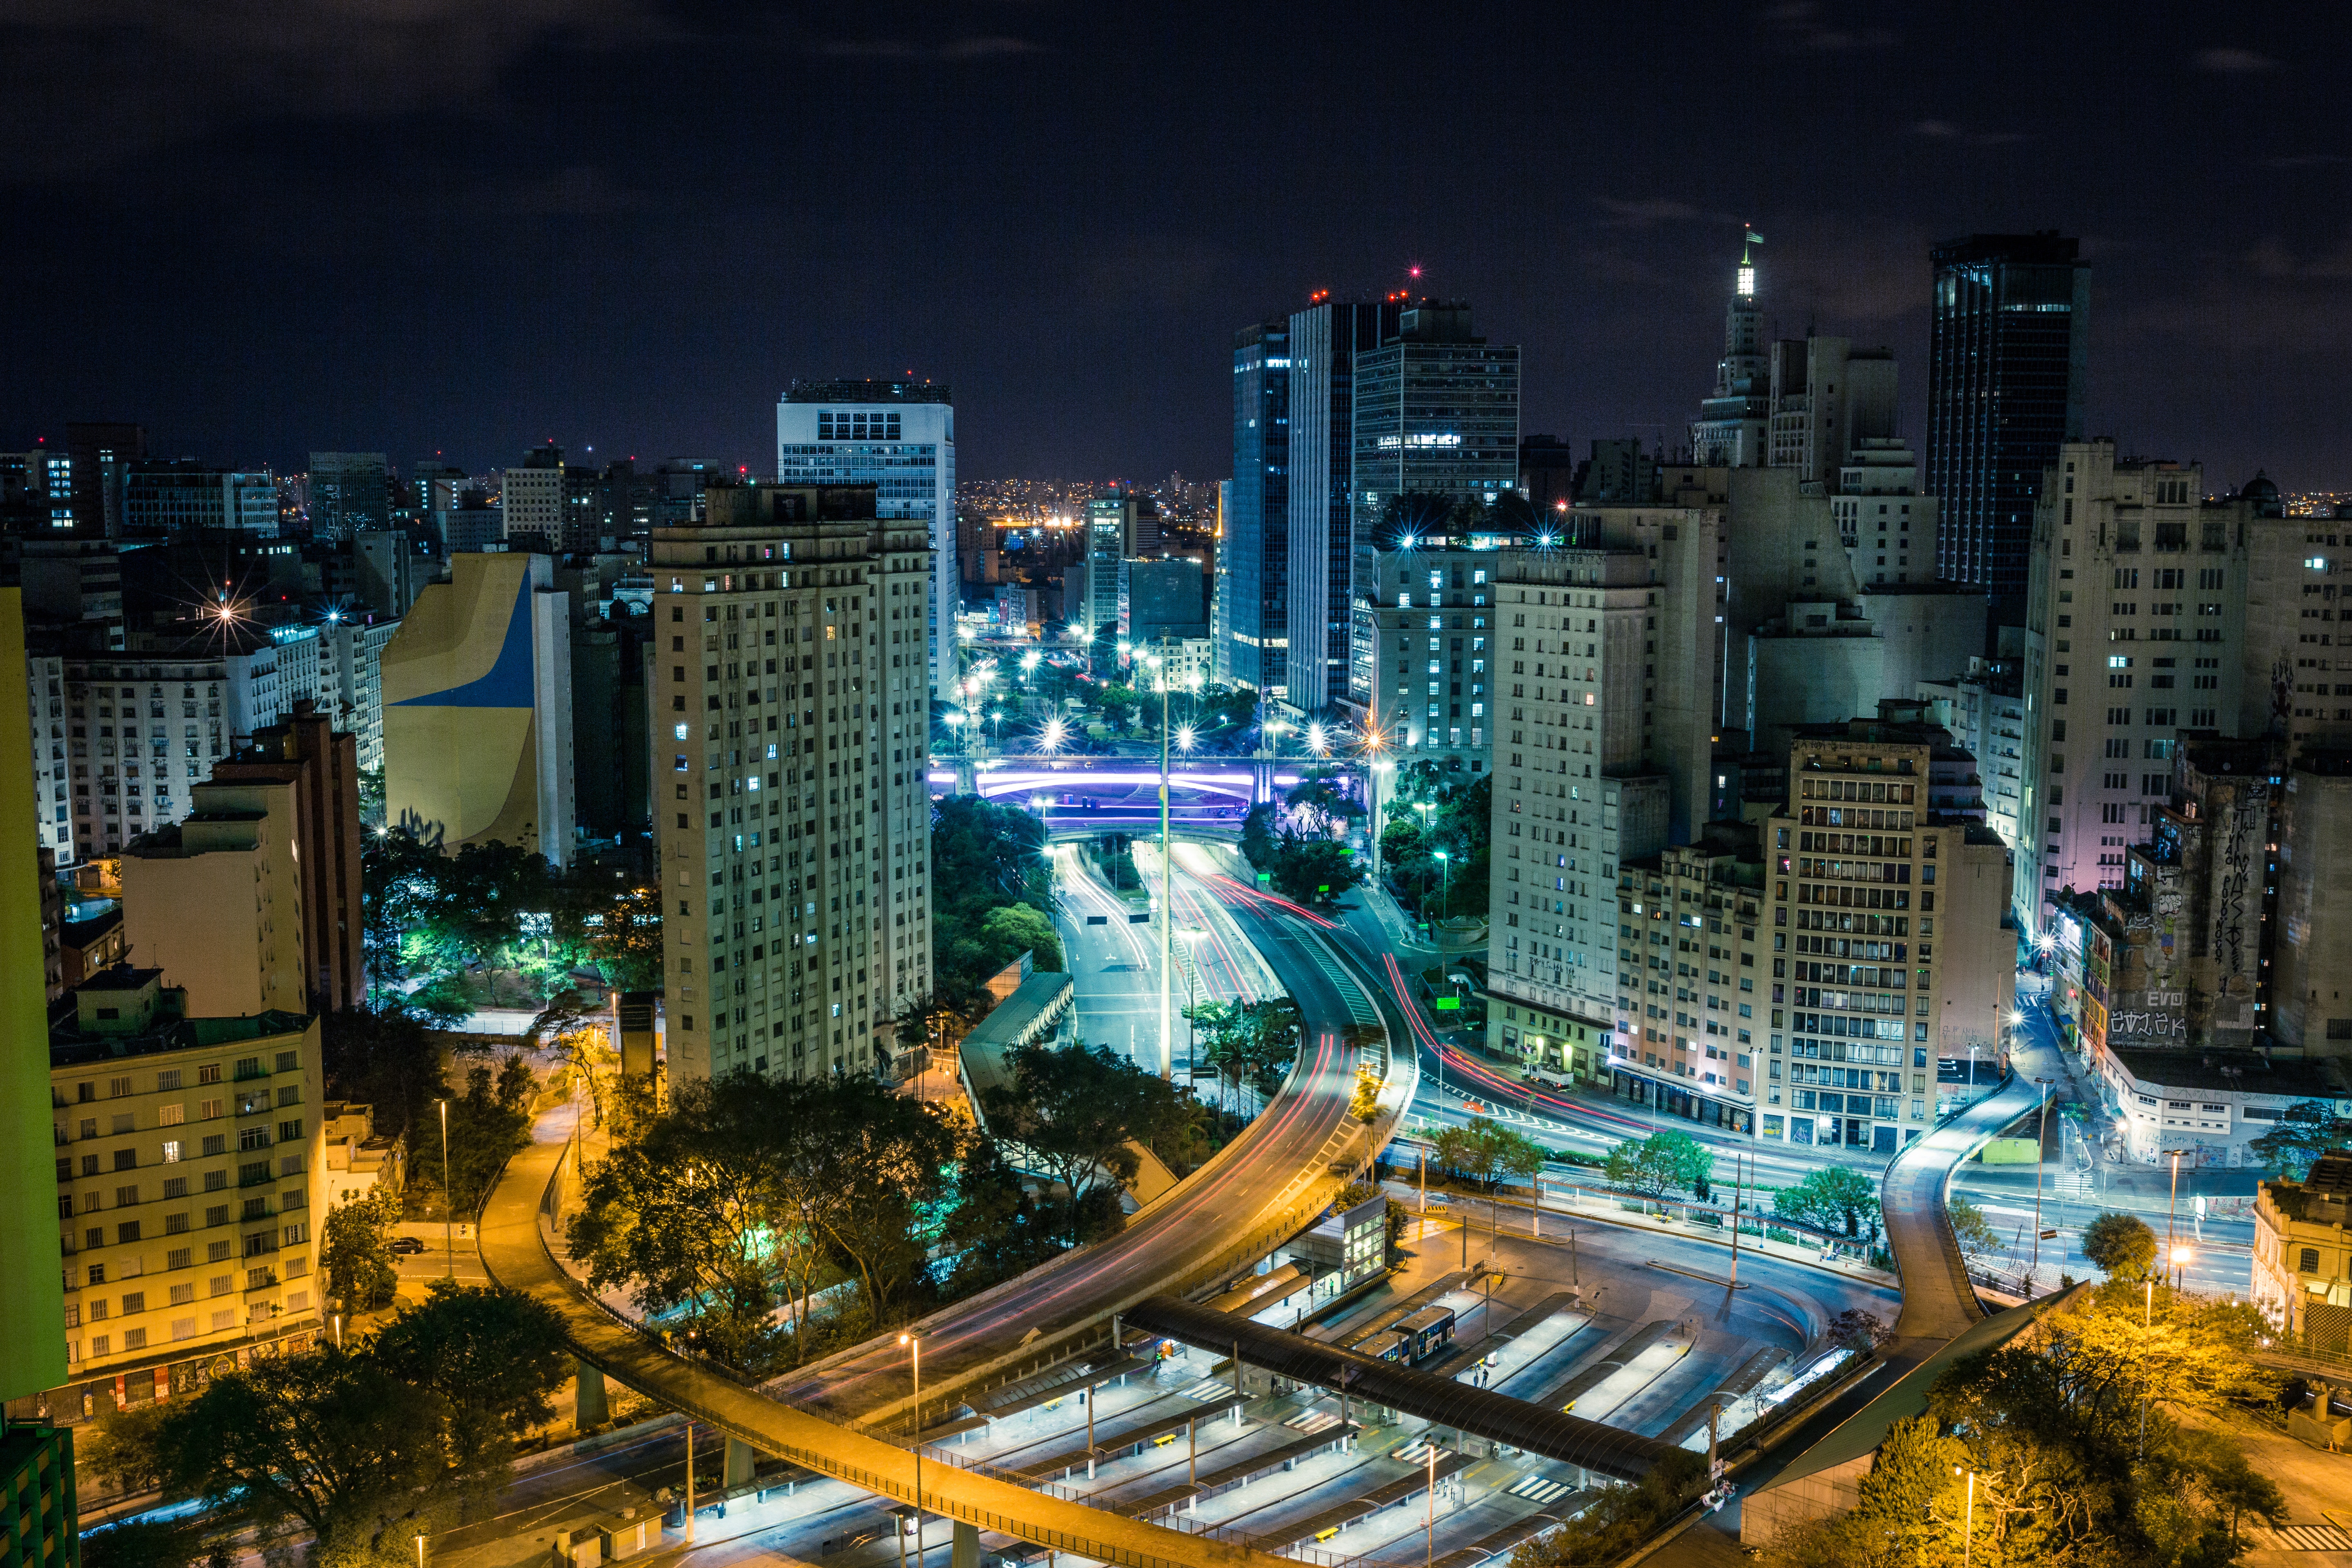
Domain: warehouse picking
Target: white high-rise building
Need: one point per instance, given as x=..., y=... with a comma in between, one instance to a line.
x=899, y=437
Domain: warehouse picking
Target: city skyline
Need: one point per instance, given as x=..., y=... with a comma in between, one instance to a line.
x=1080, y=334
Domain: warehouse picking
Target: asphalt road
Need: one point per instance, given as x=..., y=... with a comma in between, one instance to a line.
x=1254, y=1178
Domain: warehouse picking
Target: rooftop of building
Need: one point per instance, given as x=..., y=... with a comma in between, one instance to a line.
x=2325, y=761
x=2323, y=1195
x=147, y=1018
x=2233, y=1073
x=845, y=391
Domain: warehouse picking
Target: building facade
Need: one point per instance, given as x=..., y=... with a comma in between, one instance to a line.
x=349, y=494
x=318, y=764
x=791, y=803
x=1323, y=342
x=2008, y=348
x=214, y=902
x=1254, y=542
x=187, y=1149
x=1733, y=429
x=476, y=689
x=2303, y=1256
x=899, y=437
x=2137, y=631
x=1861, y=868
x=166, y=499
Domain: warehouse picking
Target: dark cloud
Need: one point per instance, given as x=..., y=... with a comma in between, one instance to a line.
x=985, y=48
x=2234, y=62
x=86, y=84
x=1945, y=130
x=1808, y=26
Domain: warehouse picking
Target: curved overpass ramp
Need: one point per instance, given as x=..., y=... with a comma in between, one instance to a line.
x=515, y=1252
x=1938, y=1303
x=1263, y=1187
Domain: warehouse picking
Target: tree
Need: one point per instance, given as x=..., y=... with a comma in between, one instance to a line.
x=327, y=1441
x=495, y=1356
x=155, y=1543
x=2239, y=1489
x=1075, y=1108
x=2304, y=1130
x=356, y=1249
x=1831, y=1198
x=1260, y=847
x=2122, y=1245
x=487, y=1125
x=1016, y=929
x=1487, y=1152
x=1656, y=1164
x=1324, y=803
x=684, y=1214
x=1975, y=1233
x=626, y=939
x=386, y=1058
x=1315, y=871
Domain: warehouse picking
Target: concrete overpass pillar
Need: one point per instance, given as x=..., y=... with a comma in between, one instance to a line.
x=739, y=1456
x=589, y=1405
x=965, y=1552
x=967, y=777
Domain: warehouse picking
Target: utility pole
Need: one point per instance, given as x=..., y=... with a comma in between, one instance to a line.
x=1167, y=886
x=689, y=1481
x=2041, y=1130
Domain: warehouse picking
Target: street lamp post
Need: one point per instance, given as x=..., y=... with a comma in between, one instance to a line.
x=1167, y=887
x=1968, y=1528
x=2041, y=1130
x=915, y=1361
x=448, y=1198
x=1191, y=974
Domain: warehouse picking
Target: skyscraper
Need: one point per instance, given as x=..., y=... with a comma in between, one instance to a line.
x=1325, y=339
x=97, y=455
x=1435, y=415
x=351, y=492
x=899, y=437
x=1253, y=563
x=2007, y=339
x=790, y=690
x=1732, y=427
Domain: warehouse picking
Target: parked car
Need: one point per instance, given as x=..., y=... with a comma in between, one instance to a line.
x=407, y=1244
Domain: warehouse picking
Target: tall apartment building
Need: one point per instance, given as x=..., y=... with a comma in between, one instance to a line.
x=1861, y=867
x=98, y=454
x=1734, y=426
x=1688, y=1042
x=791, y=691
x=530, y=499
x=140, y=728
x=1254, y=544
x=1984, y=708
x=350, y=493
x=2311, y=978
x=215, y=901
x=2138, y=629
x=306, y=755
x=899, y=437
x=170, y=498
x=1600, y=754
x=1828, y=398
x=1436, y=415
x=31, y=1310
x=1887, y=526
x=1325, y=339
x=2008, y=348
x=1433, y=661
x=187, y=1152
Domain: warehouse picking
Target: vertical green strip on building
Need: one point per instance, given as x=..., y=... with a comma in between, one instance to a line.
x=32, y=1294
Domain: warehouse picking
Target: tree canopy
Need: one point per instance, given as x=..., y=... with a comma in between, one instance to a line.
x=1657, y=1164
x=2304, y=1132
x=1833, y=1198
x=2122, y=1245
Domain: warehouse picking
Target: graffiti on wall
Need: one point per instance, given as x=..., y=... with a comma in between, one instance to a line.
x=2238, y=869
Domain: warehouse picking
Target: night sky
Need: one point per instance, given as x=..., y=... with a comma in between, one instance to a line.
x=265, y=227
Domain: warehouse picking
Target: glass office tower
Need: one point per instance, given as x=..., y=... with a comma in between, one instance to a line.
x=2006, y=348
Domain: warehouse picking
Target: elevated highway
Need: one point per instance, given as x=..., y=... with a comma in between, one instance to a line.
x=1271, y=1182
x=515, y=1252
